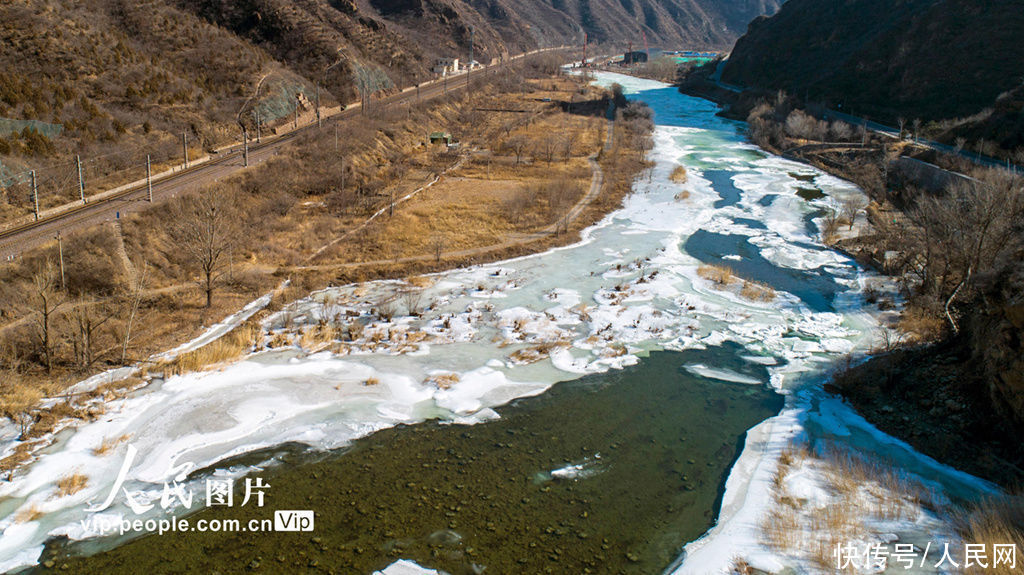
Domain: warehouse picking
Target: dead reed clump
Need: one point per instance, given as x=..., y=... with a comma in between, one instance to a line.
x=109, y=444
x=740, y=567
x=720, y=275
x=421, y=281
x=998, y=521
x=679, y=175
x=894, y=494
x=756, y=291
x=279, y=339
x=921, y=326
x=838, y=520
x=443, y=380
x=71, y=484
x=616, y=349
x=371, y=381
x=683, y=195
x=318, y=337
x=536, y=353
x=780, y=528
x=30, y=513
x=231, y=345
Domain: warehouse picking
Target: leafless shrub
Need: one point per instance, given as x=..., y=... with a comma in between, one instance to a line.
x=412, y=297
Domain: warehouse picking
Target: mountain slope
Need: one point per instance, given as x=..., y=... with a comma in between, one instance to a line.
x=114, y=81
x=928, y=59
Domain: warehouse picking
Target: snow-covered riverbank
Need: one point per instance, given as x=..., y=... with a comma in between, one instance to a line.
x=351, y=360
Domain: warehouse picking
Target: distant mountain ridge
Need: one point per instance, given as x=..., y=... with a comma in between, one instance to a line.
x=932, y=60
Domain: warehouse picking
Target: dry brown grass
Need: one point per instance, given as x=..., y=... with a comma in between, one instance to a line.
x=719, y=274
x=30, y=513
x=780, y=528
x=997, y=521
x=740, y=567
x=231, y=345
x=71, y=484
x=847, y=471
x=318, y=337
x=108, y=444
x=756, y=291
x=442, y=380
x=421, y=281
x=683, y=195
x=919, y=325
x=679, y=175
x=371, y=381
x=536, y=353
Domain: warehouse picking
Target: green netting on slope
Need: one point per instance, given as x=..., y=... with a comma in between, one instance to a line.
x=371, y=79
x=9, y=178
x=279, y=100
x=11, y=126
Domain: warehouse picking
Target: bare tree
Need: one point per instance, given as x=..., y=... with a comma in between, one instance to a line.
x=517, y=145
x=437, y=242
x=204, y=229
x=547, y=146
x=830, y=219
x=86, y=316
x=134, y=301
x=841, y=131
x=46, y=298
x=976, y=229
x=569, y=141
x=508, y=126
x=801, y=125
x=849, y=208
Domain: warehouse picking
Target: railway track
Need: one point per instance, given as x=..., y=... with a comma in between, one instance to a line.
x=17, y=239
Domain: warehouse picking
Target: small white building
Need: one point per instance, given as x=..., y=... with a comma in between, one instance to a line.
x=446, y=66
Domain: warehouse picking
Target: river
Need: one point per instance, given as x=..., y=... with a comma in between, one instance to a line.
x=676, y=394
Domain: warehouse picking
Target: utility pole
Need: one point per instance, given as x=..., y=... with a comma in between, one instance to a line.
x=469, y=65
x=342, y=173
x=149, y=180
x=184, y=147
x=60, y=252
x=35, y=194
x=245, y=148
x=258, y=140
x=81, y=182
x=336, y=140
x=295, y=123
x=319, y=124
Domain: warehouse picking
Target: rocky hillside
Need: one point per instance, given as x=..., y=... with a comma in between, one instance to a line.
x=113, y=80
x=933, y=60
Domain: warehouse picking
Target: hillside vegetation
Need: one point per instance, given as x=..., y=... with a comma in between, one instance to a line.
x=112, y=82
x=955, y=65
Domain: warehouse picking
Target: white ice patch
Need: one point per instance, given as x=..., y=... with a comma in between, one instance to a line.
x=405, y=567
x=721, y=374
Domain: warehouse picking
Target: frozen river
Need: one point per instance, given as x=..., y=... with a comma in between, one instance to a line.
x=493, y=333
